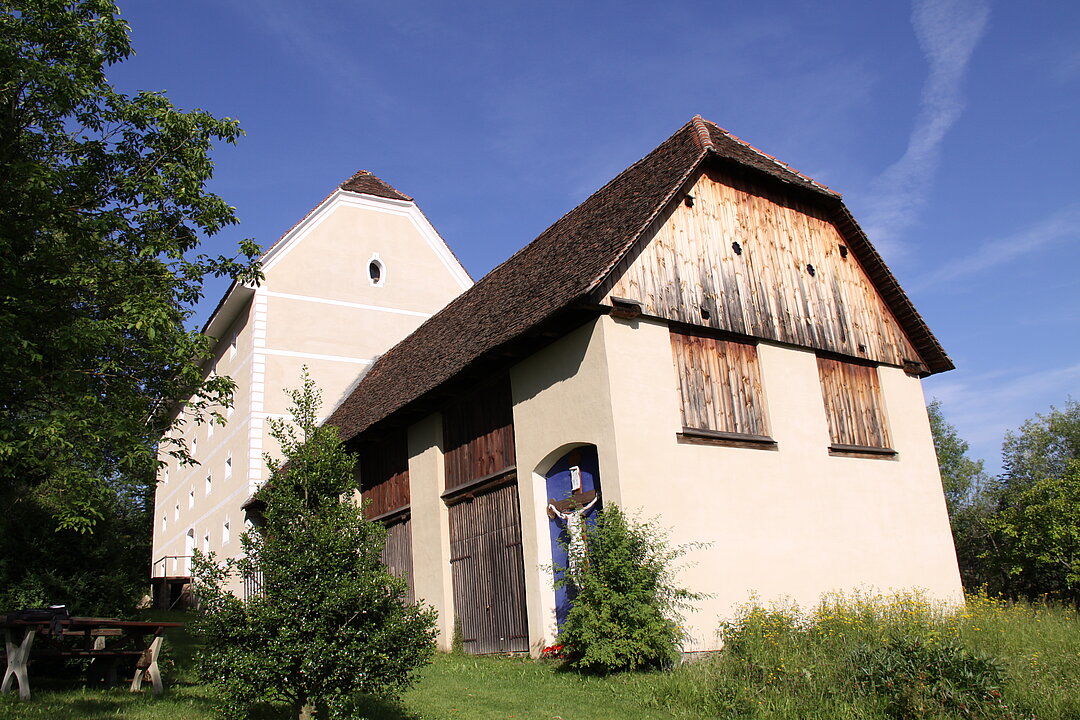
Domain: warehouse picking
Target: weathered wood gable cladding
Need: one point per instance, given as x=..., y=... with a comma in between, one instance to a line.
x=384, y=474
x=853, y=405
x=719, y=385
x=744, y=258
x=478, y=435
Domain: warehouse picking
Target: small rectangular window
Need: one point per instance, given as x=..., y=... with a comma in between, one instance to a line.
x=191, y=499
x=853, y=406
x=209, y=483
x=228, y=467
x=226, y=533
x=720, y=388
x=176, y=512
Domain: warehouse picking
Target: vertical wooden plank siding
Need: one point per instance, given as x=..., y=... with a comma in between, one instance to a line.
x=719, y=385
x=853, y=404
x=478, y=435
x=384, y=474
x=764, y=288
x=397, y=553
x=488, y=572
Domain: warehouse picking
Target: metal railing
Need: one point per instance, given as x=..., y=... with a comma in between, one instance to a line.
x=160, y=568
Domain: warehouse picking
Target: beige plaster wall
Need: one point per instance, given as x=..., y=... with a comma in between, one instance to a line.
x=788, y=523
x=415, y=276
x=342, y=331
x=316, y=307
x=430, y=525
x=561, y=400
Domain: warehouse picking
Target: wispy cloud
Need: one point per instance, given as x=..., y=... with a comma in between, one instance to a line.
x=984, y=407
x=947, y=31
x=1063, y=225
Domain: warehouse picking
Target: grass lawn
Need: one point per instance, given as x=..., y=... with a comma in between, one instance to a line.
x=780, y=664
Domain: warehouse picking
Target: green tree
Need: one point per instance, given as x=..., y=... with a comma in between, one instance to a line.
x=1043, y=447
x=1039, y=531
x=626, y=607
x=103, y=205
x=331, y=621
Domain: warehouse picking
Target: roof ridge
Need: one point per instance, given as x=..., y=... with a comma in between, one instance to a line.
x=704, y=137
x=767, y=156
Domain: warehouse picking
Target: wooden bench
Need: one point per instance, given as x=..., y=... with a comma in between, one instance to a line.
x=105, y=641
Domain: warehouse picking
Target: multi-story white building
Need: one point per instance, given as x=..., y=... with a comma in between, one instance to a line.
x=357, y=274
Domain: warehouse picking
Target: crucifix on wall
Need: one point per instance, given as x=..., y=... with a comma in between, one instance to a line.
x=572, y=511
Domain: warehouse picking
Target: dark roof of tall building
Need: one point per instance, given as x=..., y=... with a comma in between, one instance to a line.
x=570, y=259
x=366, y=183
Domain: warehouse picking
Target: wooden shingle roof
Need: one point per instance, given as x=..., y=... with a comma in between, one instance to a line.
x=570, y=259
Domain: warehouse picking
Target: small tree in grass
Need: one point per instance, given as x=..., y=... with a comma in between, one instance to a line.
x=625, y=613
x=331, y=621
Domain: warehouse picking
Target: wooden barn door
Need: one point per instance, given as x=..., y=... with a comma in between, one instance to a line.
x=489, y=572
x=397, y=553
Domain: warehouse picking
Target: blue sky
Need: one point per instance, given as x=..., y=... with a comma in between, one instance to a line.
x=950, y=127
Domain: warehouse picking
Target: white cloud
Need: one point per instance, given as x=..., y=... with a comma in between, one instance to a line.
x=947, y=31
x=1064, y=225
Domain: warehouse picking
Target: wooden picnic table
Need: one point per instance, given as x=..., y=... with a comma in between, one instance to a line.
x=106, y=641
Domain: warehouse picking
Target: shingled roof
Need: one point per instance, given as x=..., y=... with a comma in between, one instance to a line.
x=367, y=184
x=570, y=259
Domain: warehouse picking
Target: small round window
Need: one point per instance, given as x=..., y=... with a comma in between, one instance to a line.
x=376, y=271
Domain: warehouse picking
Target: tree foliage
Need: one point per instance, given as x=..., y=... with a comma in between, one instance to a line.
x=331, y=621
x=1018, y=535
x=1039, y=535
x=103, y=205
x=1043, y=447
x=626, y=606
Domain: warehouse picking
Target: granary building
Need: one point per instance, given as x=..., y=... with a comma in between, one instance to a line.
x=356, y=274
x=709, y=339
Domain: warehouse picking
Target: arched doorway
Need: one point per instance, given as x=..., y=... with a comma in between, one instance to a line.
x=573, y=487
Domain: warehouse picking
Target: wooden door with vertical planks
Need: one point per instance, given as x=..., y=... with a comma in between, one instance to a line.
x=489, y=571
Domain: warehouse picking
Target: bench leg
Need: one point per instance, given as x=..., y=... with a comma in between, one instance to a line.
x=153, y=670
x=16, y=663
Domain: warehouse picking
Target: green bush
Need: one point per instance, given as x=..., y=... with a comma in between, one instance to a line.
x=626, y=604
x=881, y=658
x=921, y=679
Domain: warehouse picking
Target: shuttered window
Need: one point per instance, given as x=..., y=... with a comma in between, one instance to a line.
x=384, y=474
x=719, y=386
x=853, y=405
x=478, y=434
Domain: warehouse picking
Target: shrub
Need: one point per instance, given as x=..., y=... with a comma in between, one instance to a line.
x=921, y=679
x=626, y=604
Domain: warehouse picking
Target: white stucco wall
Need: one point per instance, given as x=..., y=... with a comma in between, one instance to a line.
x=792, y=523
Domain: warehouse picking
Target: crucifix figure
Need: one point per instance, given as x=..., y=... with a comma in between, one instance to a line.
x=572, y=511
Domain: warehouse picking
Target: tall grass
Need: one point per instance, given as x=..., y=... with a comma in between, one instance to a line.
x=887, y=657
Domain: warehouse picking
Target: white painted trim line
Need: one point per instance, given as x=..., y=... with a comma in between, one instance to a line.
x=315, y=356
x=342, y=303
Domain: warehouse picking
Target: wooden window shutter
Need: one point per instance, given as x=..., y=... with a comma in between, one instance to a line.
x=719, y=385
x=478, y=434
x=384, y=474
x=853, y=404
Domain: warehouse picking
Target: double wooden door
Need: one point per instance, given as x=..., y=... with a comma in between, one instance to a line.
x=489, y=572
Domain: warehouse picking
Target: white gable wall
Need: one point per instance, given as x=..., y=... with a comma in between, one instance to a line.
x=795, y=522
